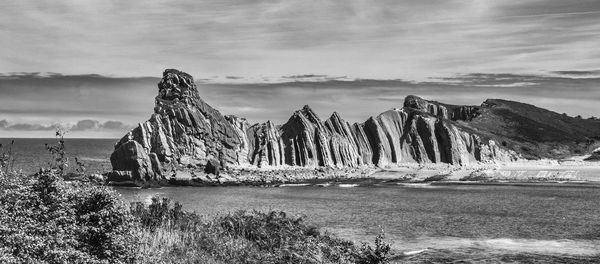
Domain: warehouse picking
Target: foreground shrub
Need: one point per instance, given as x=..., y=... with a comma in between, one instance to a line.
x=377, y=254
x=169, y=235
x=47, y=220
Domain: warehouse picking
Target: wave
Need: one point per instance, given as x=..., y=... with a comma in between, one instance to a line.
x=549, y=247
x=417, y=185
x=294, y=184
x=94, y=159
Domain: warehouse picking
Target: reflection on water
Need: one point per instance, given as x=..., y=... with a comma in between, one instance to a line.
x=538, y=219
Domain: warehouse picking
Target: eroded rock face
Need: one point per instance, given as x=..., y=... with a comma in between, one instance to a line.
x=342, y=142
x=183, y=131
x=393, y=137
x=305, y=141
x=265, y=145
x=446, y=111
x=240, y=126
x=184, y=134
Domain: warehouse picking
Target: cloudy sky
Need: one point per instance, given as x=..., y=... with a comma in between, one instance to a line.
x=94, y=65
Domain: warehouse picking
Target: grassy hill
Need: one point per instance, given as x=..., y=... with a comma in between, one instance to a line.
x=535, y=132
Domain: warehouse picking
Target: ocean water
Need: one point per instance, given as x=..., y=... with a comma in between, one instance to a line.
x=506, y=219
x=30, y=153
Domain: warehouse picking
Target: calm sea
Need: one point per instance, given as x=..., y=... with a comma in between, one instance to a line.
x=500, y=219
x=30, y=153
x=534, y=219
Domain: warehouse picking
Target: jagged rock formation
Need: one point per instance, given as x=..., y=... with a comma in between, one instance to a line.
x=183, y=130
x=453, y=112
x=240, y=126
x=185, y=135
x=345, y=151
x=265, y=146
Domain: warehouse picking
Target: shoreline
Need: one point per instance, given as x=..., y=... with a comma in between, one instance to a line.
x=530, y=173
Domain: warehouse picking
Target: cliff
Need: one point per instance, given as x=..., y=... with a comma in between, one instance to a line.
x=183, y=131
x=186, y=136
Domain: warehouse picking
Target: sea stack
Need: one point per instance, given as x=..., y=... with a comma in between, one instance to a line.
x=184, y=131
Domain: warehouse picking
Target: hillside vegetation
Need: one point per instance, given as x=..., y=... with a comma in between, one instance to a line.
x=531, y=131
x=536, y=132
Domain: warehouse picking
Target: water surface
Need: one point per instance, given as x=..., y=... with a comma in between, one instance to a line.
x=544, y=219
x=30, y=153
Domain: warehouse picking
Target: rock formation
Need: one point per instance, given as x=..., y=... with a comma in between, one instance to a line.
x=595, y=156
x=184, y=135
x=183, y=130
x=265, y=146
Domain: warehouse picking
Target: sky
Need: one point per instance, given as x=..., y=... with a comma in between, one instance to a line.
x=92, y=66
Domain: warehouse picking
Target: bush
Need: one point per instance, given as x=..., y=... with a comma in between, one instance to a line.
x=169, y=235
x=47, y=220
x=377, y=254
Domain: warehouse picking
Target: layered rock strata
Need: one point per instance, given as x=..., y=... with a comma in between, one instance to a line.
x=183, y=131
x=184, y=134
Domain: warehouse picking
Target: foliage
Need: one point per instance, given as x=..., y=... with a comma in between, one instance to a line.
x=158, y=213
x=7, y=159
x=170, y=235
x=47, y=220
x=60, y=161
x=377, y=254
x=80, y=166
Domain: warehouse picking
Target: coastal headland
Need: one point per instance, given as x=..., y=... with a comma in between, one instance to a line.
x=187, y=142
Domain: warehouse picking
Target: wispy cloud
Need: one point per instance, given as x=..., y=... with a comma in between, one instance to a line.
x=579, y=74
x=360, y=39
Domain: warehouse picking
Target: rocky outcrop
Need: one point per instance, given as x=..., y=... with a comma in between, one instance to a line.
x=240, y=126
x=186, y=136
x=265, y=145
x=595, y=156
x=342, y=142
x=184, y=131
x=446, y=111
x=305, y=140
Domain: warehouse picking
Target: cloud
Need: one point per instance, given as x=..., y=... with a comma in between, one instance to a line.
x=361, y=39
x=115, y=125
x=56, y=97
x=81, y=125
x=592, y=73
x=86, y=125
x=4, y=125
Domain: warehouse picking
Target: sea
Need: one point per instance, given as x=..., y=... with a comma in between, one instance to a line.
x=534, y=219
x=30, y=154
